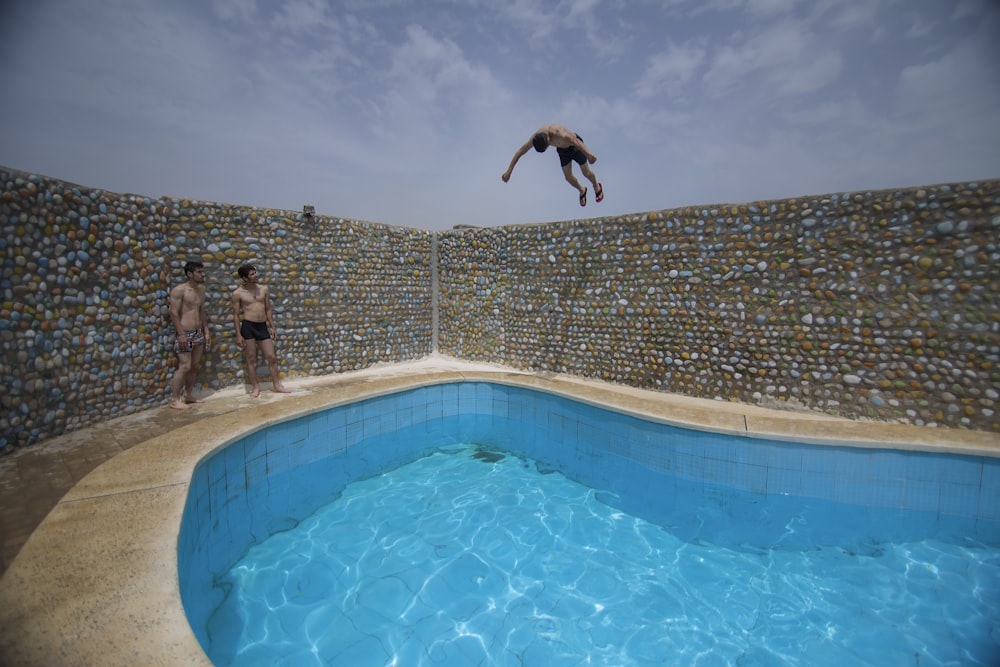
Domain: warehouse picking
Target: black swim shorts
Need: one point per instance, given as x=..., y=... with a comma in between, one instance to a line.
x=571, y=153
x=254, y=330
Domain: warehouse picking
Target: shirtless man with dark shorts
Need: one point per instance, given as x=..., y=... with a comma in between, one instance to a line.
x=571, y=149
x=187, y=313
x=257, y=328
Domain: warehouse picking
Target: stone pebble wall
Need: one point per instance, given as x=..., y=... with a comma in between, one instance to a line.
x=870, y=304
x=881, y=305
x=84, y=279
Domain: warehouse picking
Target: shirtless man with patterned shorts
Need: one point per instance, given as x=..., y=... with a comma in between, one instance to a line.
x=187, y=313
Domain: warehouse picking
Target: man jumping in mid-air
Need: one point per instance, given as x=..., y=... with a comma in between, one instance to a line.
x=570, y=148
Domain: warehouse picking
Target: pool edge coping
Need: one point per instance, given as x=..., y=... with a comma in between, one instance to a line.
x=84, y=594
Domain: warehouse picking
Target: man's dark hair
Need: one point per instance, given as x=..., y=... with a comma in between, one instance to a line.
x=245, y=270
x=540, y=141
x=191, y=267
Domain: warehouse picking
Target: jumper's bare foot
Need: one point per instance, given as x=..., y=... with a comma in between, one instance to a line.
x=178, y=404
x=255, y=393
x=192, y=399
x=280, y=389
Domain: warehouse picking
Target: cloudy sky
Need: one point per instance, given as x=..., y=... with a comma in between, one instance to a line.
x=407, y=112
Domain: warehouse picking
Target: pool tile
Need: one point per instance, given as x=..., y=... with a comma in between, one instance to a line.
x=959, y=500
x=283, y=433
x=782, y=481
x=886, y=492
x=921, y=495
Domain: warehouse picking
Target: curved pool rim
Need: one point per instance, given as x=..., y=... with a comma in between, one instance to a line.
x=97, y=583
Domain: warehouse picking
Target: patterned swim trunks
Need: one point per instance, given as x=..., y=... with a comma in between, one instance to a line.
x=194, y=337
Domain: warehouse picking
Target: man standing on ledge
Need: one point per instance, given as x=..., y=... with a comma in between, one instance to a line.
x=187, y=313
x=570, y=148
x=254, y=300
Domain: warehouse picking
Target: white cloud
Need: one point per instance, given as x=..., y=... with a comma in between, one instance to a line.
x=304, y=16
x=769, y=8
x=816, y=73
x=532, y=15
x=785, y=56
x=963, y=81
x=965, y=8
x=701, y=7
x=582, y=9
x=846, y=16
x=781, y=44
x=671, y=69
x=919, y=27
x=839, y=111
x=230, y=10
x=428, y=68
x=727, y=70
x=954, y=87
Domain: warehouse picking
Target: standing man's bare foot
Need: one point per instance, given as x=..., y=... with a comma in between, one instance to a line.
x=255, y=392
x=178, y=404
x=280, y=389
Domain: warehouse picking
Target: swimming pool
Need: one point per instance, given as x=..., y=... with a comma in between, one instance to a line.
x=270, y=480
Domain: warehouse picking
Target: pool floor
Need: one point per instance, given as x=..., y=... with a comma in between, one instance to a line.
x=474, y=557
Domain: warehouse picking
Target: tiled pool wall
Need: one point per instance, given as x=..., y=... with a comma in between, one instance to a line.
x=879, y=304
x=270, y=479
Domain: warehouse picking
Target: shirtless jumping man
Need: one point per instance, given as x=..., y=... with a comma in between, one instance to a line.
x=571, y=149
x=257, y=327
x=187, y=312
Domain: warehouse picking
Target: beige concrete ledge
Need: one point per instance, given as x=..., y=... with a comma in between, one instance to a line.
x=97, y=582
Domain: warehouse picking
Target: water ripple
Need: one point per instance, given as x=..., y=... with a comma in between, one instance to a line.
x=465, y=559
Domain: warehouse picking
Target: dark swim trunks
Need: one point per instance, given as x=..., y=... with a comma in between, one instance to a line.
x=571, y=153
x=254, y=330
x=194, y=337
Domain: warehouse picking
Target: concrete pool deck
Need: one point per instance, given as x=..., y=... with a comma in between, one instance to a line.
x=94, y=581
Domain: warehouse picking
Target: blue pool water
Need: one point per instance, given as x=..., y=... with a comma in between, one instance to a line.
x=599, y=538
x=471, y=557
